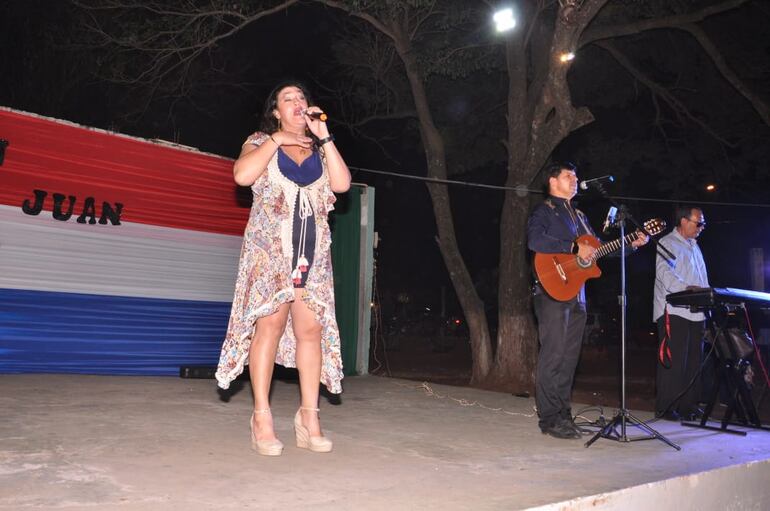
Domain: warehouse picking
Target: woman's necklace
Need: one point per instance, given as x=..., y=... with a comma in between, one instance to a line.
x=302, y=152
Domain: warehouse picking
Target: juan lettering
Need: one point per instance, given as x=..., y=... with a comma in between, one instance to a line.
x=88, y=211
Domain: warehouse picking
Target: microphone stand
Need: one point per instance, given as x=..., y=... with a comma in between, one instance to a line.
x=624, y=416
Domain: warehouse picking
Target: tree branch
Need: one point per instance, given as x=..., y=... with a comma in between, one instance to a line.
x=611, y=31
x=719, y=61
x=377, y=24
x=553, y=115
x=174, y=49
x=582, y=117
x=672, y=101
x=533, y=22
x=407, y=114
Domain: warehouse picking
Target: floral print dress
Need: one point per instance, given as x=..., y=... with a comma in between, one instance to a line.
x=264, y=279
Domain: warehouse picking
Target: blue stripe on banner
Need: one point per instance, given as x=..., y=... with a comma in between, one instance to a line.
x=44, y=332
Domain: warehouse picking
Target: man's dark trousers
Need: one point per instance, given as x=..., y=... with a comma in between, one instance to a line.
x=686, y=344
x=560, y=329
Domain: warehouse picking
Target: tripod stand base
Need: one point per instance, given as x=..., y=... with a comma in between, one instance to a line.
x=624, y=418
x=721, y=429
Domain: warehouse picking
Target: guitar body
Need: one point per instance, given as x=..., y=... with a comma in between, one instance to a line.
x=562, y=275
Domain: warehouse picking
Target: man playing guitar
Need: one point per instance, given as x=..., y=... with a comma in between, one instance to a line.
x=554, y=227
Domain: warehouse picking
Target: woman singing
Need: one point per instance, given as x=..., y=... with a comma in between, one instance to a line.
x=283, y=308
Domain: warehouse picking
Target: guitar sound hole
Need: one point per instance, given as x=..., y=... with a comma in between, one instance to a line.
x=584, y=263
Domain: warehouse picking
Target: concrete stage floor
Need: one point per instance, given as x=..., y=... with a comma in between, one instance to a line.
x=146, y=443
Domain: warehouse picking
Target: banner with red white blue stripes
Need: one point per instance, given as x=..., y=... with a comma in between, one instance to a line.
x=118, y=255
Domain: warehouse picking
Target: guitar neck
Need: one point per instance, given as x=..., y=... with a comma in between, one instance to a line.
x=612, y=246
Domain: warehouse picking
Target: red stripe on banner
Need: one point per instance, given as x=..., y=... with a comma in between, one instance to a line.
x=156, y=184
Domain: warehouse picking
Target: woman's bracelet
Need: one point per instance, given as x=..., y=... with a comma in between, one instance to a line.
x=326, y=140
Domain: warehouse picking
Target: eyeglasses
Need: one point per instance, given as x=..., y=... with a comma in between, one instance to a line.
x=699, y=225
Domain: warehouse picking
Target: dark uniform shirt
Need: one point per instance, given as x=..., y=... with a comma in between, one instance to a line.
x=553, y=227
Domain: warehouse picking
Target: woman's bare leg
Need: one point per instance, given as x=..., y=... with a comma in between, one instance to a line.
x=308, y=333
x=264, y=345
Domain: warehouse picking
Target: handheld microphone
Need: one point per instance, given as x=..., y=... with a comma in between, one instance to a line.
x=588, y=182
x=321, y=116
x=610, y=219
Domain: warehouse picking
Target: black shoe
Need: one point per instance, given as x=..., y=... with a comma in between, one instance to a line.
x=575, y=427
x=561, y=429
x=671, y=416
x=694, y=416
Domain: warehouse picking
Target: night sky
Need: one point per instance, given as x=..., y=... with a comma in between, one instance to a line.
x=48, y=69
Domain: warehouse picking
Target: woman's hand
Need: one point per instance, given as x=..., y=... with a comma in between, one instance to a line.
x=316, y=126
x=288, y=139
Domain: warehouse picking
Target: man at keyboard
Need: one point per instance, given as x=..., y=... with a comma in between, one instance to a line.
x=680, y=330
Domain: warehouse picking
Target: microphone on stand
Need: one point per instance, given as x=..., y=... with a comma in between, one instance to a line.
x=595, y=181
x=321, y=116
x=610, y=219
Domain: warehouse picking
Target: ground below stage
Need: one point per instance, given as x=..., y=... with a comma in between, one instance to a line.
x=162, y=444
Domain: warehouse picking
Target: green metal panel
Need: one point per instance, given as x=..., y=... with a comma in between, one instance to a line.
x=346, y=242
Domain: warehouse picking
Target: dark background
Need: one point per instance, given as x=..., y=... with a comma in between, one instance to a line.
x=658, y=159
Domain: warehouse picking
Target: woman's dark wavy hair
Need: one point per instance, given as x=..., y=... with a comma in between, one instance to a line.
x=269, y=123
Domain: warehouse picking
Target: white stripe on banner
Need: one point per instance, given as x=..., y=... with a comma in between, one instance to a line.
x=44, y=254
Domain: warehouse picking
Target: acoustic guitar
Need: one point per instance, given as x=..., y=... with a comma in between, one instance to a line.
x=562, y=275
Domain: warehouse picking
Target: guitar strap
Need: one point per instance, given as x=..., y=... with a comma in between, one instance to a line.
x=582, y=219
x=577, y=215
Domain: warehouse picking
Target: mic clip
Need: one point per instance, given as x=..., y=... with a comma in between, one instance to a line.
x=609, y=222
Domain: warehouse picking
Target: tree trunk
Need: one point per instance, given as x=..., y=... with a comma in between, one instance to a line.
x=433, y=143
x=472, y=305
x=516, y=334
x=538, y=119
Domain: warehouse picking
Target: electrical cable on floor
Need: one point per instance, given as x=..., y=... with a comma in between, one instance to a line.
x=428, y=390
x=584, y=423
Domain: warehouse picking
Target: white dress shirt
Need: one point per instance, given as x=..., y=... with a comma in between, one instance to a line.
x=689, y=269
